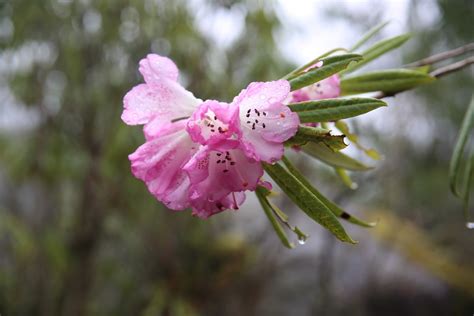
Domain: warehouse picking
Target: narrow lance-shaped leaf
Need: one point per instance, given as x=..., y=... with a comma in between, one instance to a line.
x=455, y=170
x=388, y=81
x=346, y=179
x=307, y=134
x=333, y=158
x=273, y=221
x=367, y=36
x=378, y=50
x=467, y=190
x=301, y=69
x=334, y=109
x=331, y=205
x=344, y=128
x=307, y=201
x=331, y=65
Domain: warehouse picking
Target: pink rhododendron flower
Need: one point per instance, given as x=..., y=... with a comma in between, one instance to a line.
x=204, y=155
x=159, y=164
x=265, y=121
x=216, y=175
x=325, y=89
x=214, y=124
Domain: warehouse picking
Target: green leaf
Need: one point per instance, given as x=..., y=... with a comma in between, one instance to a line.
x=331, y=65
x=467, y=187
x=455, y=170
x=368, y=35
x=307, y=134
x=269, y=212
x=333, y=158
x=388, y=81
x=307, y=201
x=334, y=109
x=301, y=69
x=346, y=179
x=344, y=128
x=378, y=50
x=334, y=208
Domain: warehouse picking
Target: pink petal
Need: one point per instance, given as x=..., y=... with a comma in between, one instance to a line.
x=159, y=164
x=265, y=122
x=155, y=68
x=205, y=208
x=216, y=174
x=161, y=102
x=213, y=123
x=324, y=89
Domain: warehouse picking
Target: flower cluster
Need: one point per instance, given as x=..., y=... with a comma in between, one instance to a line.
x=205, y=154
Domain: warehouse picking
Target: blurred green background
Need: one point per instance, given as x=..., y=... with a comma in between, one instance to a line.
x=80, y=236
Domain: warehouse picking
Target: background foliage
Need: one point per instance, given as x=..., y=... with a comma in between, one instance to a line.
x=80, y=236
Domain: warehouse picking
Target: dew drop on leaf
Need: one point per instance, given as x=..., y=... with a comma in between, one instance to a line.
x=301, y=241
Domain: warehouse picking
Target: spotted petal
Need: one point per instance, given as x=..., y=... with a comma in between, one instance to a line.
x=265, y=121
x=216, y=174
x=214, y=123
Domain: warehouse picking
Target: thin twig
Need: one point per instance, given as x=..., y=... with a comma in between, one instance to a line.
x=438, y=73
x=452, y=68
x=442, y=56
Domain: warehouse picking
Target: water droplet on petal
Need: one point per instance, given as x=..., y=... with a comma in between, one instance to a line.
x=470, y=225
x=272, y=100
x=301, y=241
x=263, y=97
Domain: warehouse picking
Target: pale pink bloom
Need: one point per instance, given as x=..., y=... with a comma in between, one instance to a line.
x=265, y=121
x=215, y=124
x=160, y=100
x=325, y=89
x=216, y=176
x=204, y=155
x=159, y=163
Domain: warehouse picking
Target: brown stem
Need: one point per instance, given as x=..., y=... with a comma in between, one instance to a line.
x=442, y=56
x=452, y=68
